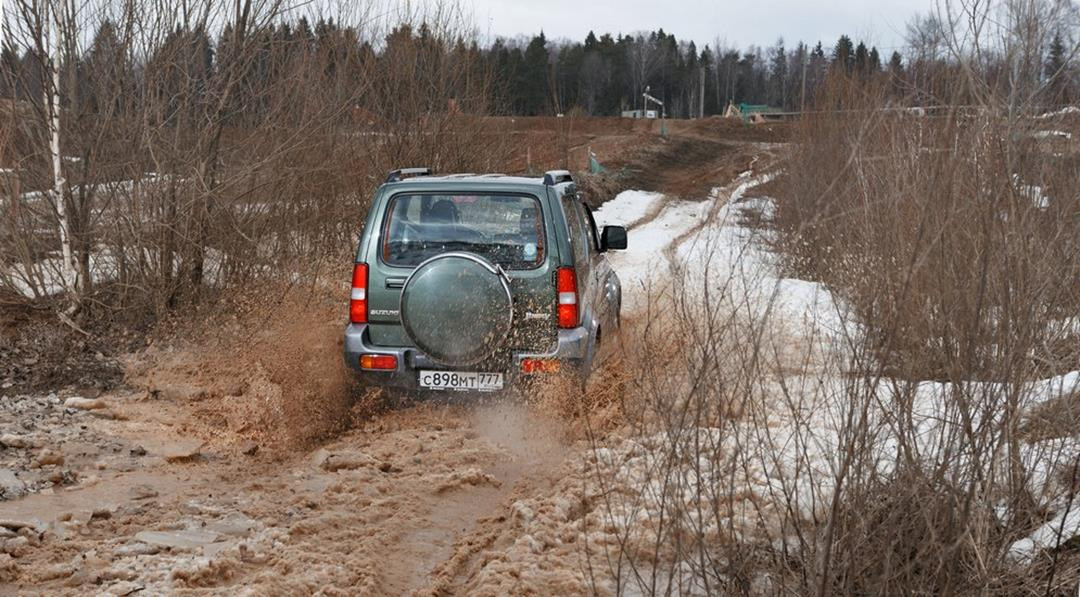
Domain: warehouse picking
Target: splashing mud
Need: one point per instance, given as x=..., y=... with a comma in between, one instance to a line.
x=276, y=380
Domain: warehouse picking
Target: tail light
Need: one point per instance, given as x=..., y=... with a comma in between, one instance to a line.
x=358, y=299
x=383, y=362
x=530, y=366
x=566, y=286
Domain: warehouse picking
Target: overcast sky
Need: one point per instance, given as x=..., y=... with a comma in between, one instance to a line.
x=758, y=22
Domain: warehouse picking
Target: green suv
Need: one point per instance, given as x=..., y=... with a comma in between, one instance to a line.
x=476, y=282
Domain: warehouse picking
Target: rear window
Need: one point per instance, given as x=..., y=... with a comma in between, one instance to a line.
x=505, y=229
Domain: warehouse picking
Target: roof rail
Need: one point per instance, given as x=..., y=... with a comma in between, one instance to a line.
x=403, y=173
x=554, y=177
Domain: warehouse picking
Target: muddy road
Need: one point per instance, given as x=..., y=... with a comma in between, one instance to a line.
x=400, y=504
x=169, y=486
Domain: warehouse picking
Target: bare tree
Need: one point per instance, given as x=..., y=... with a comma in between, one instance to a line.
x=644, y=58
x=211, y=145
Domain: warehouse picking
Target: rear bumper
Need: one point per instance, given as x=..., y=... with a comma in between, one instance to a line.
x=573, y=350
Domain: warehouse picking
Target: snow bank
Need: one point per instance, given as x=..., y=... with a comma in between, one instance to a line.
x=1062, y=112
x=627, y=208
x=742, y=271
x=1063, y=527
x=47, y=275
x=1052, y=135
x=791, y=449
x=643, y=268
x=1034, y=193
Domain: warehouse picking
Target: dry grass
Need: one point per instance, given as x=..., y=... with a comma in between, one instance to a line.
x=954, y=236
x=901, y=442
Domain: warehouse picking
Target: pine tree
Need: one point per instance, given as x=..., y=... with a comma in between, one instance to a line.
x=590, y=42
x=778, y=75
x=534, y=76
x=706, y=63
x=9, y=69
x=568, y=66
x=1057, y=76
x=896, y=64
x=798, y=73
x=844, y=54
x=303, y=35
x=107, y=69
x=896, y=73
x=862, y=60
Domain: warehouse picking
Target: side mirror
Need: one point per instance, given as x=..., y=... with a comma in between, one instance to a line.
x=613, y=238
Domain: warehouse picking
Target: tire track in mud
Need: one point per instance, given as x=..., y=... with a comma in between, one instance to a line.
x=491, y=529
x=654, y=211
x=669, y=225
x=532, y=446
x=376, y=510
x=483, y=524
x=718, y=199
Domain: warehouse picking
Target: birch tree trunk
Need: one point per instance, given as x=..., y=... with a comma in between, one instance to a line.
x=52, y=101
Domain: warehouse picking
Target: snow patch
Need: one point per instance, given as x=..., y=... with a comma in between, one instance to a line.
x=1062, y=112
x=798, y=456
x=1051, y=535
x=1052, y=135
x=627, y=208
x=643, y=266
x=1031, y=192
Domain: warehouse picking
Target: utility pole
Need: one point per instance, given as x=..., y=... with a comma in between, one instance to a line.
x=701, y=95
x=716, y=70
x=731, y=81
x=645, y=99
x=802, y=102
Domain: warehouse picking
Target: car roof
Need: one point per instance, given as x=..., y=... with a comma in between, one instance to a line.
x=471, y=179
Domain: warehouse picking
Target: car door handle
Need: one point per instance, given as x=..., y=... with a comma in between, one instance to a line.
x=396, y=282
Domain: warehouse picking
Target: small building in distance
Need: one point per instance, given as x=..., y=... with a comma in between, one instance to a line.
x=639, y=114
x=755, y=113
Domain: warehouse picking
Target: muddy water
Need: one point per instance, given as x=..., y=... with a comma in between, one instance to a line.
x=377, y=510
x=529, y=444
x=227, y=468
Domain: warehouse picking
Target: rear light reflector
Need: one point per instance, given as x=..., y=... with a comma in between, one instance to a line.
x=358, y=297
x=530, y=366
x=566, y=286
x=381, y=362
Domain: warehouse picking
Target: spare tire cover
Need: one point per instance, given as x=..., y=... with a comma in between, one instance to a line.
x=456, y=307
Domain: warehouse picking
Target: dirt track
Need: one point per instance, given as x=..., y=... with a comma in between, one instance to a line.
x=374, y=510
x=171, y=486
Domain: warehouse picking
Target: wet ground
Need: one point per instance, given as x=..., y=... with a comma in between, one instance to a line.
x=212, y=472
x=120, y=502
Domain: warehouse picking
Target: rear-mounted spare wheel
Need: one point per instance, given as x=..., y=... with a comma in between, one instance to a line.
x=456, y=307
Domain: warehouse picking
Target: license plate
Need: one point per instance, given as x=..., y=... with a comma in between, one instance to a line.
x=461, y=380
